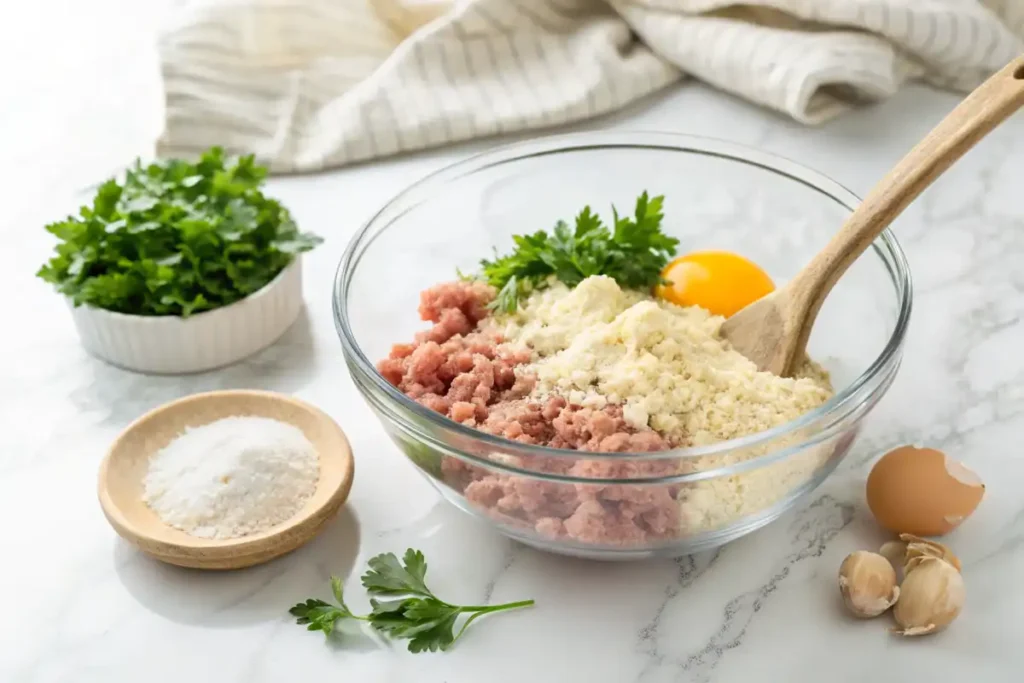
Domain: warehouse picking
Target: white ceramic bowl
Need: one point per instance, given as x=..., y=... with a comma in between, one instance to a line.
x=212, y=339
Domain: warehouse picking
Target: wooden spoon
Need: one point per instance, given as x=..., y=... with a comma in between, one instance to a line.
x=773, y=331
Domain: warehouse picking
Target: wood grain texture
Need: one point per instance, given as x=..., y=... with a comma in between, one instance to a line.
x=774, y=330
x=125, y=465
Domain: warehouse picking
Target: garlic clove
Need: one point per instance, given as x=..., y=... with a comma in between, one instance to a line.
x=896, y=553
x=931, y=597
x=922, y=547
x=915, y=561
x=916, y=630
x=867, y=583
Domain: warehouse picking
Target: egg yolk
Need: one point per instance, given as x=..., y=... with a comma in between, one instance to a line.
x=718, y=281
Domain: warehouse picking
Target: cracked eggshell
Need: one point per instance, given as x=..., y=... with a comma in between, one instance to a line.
x=922, y=491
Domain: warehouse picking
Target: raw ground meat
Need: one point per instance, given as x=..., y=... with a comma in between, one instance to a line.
x=452, y=368
x=469, y=376
x=616, y=514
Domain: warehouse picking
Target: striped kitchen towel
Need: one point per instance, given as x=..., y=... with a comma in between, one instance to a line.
x=314, y=84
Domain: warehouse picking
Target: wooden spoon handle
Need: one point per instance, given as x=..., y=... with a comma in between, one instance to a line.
x=981, y=111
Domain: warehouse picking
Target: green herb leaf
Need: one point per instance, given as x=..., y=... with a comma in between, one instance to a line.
x=337, y=588
x=175, y=238
x=318, y=615
x=434, y=635
x=415, y=613
x=388, y=576
x=633, y=252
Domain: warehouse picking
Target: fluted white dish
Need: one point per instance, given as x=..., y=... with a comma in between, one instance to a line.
x=211, y=339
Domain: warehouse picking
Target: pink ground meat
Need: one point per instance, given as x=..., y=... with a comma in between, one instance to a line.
x=468, y=375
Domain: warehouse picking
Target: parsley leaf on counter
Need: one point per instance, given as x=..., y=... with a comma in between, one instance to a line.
x=413, y=612
x=388, y=576
x=317, y=615
x=175, y=238
x=633, y=253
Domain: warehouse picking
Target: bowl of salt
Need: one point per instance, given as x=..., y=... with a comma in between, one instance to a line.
x=225, y=479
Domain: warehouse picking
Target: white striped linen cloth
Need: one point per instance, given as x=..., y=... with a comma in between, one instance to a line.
x=314, y=84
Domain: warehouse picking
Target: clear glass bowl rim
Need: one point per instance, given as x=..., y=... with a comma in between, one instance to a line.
x=844, y=402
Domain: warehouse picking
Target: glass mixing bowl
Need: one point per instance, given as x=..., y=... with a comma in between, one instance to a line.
x=718, y=195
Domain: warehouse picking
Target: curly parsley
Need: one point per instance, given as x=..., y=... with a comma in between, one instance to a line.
x=633, y=252
x=175, y=238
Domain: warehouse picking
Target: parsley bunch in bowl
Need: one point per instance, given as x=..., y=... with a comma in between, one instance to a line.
x=175, y=238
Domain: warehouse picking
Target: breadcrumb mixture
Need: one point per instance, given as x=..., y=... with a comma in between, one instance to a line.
x=665, y=365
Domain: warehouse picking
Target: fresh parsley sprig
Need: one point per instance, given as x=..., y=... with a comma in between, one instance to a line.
x=412, y=611
x=633, y=252
x=175, y=237
x=318, y=615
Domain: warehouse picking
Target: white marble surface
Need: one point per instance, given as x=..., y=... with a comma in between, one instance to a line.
x=78, y=605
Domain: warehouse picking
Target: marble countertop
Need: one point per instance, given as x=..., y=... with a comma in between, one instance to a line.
x=81, y=606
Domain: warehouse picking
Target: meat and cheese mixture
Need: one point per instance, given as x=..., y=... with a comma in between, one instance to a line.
x=599, y=369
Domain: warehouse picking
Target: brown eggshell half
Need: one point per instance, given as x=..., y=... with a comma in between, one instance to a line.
x=922, y=491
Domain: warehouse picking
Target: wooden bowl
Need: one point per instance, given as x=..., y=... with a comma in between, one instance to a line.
x=125, y=465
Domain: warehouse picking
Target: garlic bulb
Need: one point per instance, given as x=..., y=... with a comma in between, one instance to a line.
x=867, y=582
x=931, y=596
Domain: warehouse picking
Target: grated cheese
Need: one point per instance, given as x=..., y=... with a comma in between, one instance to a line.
x=233, y=477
